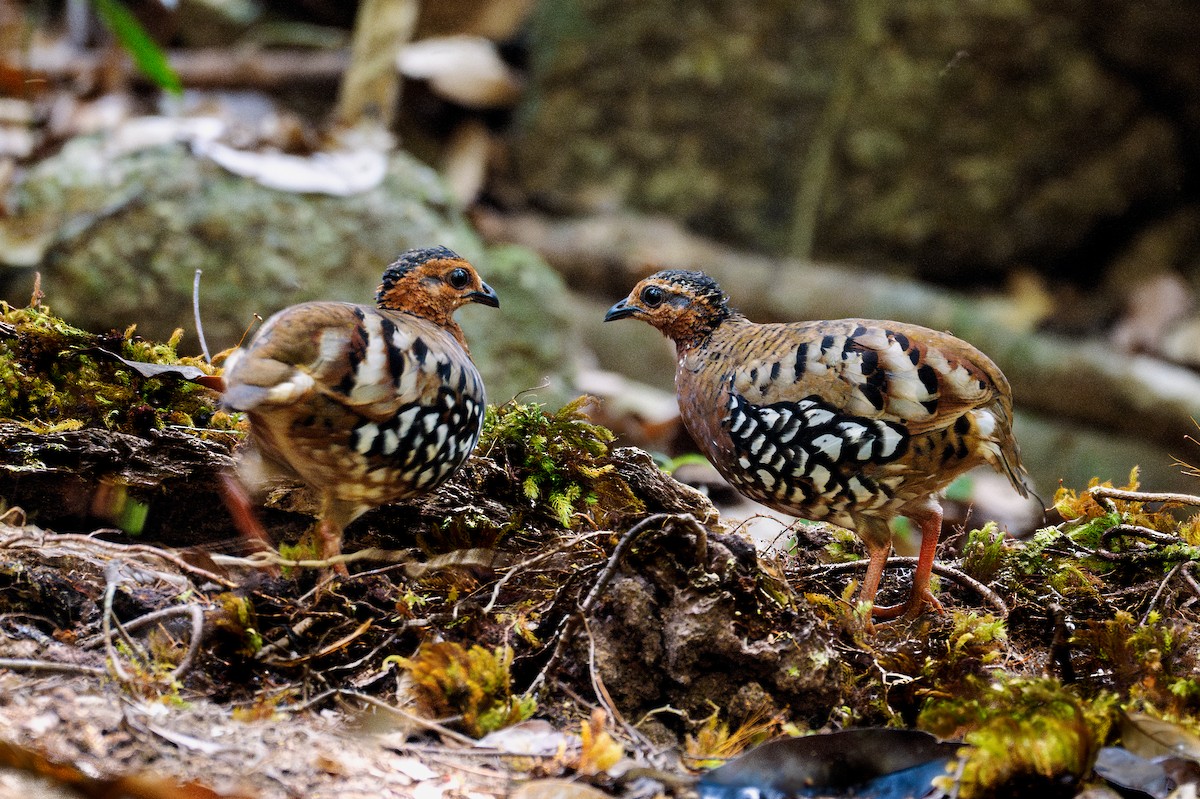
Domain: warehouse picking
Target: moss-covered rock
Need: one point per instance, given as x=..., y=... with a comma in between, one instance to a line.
x=118, y=237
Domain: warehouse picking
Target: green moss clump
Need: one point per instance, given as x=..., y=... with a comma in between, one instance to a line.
x=474, y=685
x=57, y=377
x=236, y=618
x=559, y=461
x=1025, y=733
x=1150, y=663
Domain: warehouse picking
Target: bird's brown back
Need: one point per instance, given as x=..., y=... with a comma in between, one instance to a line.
x=372, y=404
x=844, y=419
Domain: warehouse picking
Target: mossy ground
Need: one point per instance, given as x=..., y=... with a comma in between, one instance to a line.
x=57, y=377
x=691, y=637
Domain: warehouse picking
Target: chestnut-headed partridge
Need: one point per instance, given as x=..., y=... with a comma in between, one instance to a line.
x=852, y=421
x=366, y=404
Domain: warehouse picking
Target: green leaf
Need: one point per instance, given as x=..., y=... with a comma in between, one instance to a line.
x=146, y=54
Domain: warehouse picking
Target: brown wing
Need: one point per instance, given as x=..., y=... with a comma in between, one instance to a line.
x=372, y=363
x=887, y=371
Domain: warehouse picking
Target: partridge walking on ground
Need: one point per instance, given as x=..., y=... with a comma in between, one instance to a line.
x=366, y=405
x=852, y=421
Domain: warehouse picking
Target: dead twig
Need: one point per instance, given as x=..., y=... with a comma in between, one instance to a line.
x=428, y=724
x=1158, y=591
x=109, y=622
x=270, y=560
x=196, y=314
x=111, y=579
x=30, y=664
x=344, y=641
x=281, y=643
x=525, y=565
x=1107, y=492
x=1136, y=531
x=216, y=67
x=942, y=570
x=1189, y=578
x=601, y=691
x=1141, y=553
x=197, y=633
x=85, y=545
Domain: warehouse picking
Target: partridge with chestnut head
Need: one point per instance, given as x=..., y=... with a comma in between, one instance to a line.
x=852, y=421
x=367, y=404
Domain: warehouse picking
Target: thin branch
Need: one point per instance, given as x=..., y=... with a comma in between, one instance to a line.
x=1189, y=578
x=598, y=687
x=189, y=657
x=28, y=664
x=940, y=569
x=1105, y=492
x=1158, y=591
x=142, y=621
x=384, y=706
x=524, y=565
x=110, y=649
x=196, y=314
x=215, y=67
x=44, y=542
x=263, y=560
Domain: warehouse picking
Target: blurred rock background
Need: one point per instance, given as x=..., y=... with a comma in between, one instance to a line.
x=1024, y=174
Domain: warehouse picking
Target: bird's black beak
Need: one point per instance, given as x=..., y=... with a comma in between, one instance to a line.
x=485, y=296
x=622, y=310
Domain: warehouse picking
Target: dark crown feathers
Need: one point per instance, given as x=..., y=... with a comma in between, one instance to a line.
x=409, y=260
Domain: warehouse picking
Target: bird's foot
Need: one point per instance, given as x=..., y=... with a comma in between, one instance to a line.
x=914, y=607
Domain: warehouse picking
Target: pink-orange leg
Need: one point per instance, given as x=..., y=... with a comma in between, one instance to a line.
x=333, y=522
x=875, y=566
x=331, y=545
x=244, y=519
x=931, y=529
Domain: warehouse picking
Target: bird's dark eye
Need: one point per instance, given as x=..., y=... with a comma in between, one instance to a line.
x=653, y=296
x=459, y=278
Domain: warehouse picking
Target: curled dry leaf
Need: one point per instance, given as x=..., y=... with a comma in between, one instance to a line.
x=1148, y=737
x=864, y=762
x=1157, y=778
x=467, y=70
x=192, y=373
x=557, y=789
x=145, y=784
x=339, y=174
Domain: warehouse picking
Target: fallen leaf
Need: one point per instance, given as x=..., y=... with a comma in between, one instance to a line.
x=192, y=373
x=143, y=785
x=465, y=69
x=866, y=763
x=1124, y=769
x=1149, y=737
x=532, y=737
x=557, y=789
x=339, y=174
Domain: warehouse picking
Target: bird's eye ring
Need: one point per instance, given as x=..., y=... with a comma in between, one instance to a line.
x=459, y=278
x=653, y=296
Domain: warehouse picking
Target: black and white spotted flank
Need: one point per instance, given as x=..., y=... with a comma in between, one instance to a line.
x=810, y=454
x=425, y=444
